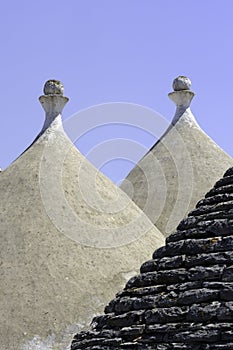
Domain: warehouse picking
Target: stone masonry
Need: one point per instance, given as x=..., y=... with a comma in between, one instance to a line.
x=183, y=297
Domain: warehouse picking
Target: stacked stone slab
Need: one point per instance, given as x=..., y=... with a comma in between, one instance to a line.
x=183, y=297
x=58, y=216
x=179, y=169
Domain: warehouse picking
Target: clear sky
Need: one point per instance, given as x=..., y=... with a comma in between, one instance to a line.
x=114, y=51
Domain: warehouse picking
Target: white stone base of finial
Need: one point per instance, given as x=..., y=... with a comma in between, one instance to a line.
x=53, y=106
x=182, y=99
x=184, y=116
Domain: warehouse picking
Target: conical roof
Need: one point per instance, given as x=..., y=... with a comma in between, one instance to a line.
x=178, y=170
x=68, y=237
x=183, y=297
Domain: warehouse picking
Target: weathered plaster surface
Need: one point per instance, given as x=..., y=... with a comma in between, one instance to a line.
x=50, y=283
x=179, y=169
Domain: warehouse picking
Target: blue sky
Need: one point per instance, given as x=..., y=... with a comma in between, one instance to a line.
x=114, y=51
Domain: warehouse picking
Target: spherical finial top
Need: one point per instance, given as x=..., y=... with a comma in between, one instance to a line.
x=53, y=87
x=181, y=83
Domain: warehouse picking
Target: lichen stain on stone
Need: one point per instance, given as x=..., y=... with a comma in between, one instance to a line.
x=43, y=344
x=39, y=344
x=51, y=342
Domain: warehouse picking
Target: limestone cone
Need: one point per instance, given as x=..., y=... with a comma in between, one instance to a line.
x=179, y=169
x=183, y=297
x=69, y=239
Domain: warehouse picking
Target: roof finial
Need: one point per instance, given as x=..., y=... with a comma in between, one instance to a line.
x=53, y=103
x=181, y=83
x=182, y=96
x=53, y=87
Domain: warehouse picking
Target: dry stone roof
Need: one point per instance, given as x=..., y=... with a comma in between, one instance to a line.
x=55, y=224
x=183, y=297
x=179, y=169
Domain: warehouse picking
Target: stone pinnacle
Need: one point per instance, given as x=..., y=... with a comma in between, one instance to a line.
x=182, y=95
x=53, y=103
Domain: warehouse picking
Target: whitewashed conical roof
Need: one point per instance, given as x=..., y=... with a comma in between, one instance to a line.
x=179, y=169
x=69, y=239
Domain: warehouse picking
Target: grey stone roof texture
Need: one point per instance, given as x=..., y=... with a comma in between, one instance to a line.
x=183, y=297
